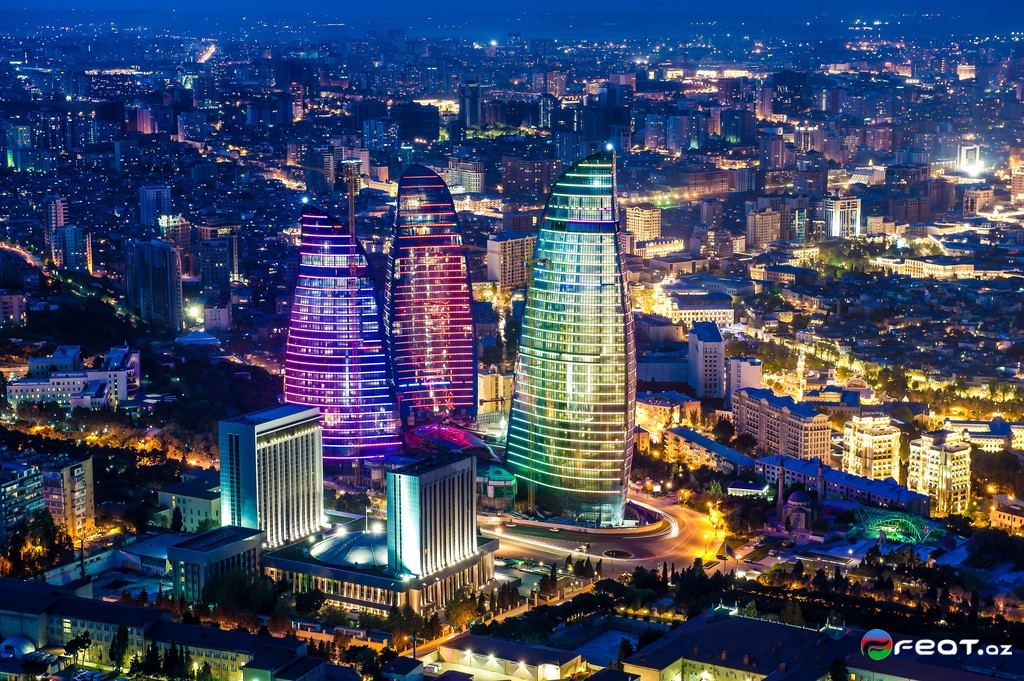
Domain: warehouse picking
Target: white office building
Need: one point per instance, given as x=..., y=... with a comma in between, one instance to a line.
x=271, y=472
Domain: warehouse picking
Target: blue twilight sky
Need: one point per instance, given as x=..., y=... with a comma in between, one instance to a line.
x=582, y=17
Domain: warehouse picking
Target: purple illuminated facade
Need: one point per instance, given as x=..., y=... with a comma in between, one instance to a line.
x=428, y=304
x=335, y=357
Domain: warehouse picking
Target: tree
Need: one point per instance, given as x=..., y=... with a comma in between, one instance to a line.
x=723, y=430
x=838, y=671
x=792, y=614
x=625, y=649
x=461, y=608
x=176, y=520
x=118, y=650
x=151, y=663
x=205, y=673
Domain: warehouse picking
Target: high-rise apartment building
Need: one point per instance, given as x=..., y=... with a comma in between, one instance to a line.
x=706, y=360
x=176, y=230
x=431, y=515
x=525, y=175
x=741, y=372
x=763, y=227
x=780, y=424
x=470, y=105
x=508, y=258
x=67, y=489
x=56, y=216
x=21, y=494
x=570, y=440
x=940, y=466
x=468, y=173
x=428, y=318
x=154, y=201
x=644, y=221
x=335, y=358
x=871, y=447
x=153, y=273
x=271, y=472
x=842, y=216
x=71, y=249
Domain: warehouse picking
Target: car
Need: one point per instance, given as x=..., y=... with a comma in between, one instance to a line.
x=582, y=548
x=553, y=529
x=510, y=523
x=432, y=667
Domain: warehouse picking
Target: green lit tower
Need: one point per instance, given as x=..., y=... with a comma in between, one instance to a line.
x=570, y=438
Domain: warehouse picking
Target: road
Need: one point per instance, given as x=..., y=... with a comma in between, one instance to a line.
x=689, y=535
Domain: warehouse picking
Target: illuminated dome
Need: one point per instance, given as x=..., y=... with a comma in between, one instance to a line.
x=17, y=647
x=356, y=549
x=799, y=498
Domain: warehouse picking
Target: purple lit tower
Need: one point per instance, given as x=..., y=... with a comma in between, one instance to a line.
x=335, y=358
x=428, y=304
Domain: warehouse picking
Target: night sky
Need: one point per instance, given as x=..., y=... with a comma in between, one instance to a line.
x=603, y=18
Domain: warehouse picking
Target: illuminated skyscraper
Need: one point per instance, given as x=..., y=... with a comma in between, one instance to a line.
x=570, y=438
x=335, y=358
x=428, y=314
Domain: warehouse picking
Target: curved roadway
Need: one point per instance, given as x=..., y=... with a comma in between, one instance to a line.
x=680, y=542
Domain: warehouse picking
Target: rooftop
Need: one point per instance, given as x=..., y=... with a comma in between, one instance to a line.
x=270, y=414
x=217, y=538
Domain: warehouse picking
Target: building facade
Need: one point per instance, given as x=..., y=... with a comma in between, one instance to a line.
x=940, y=466
x=871, y=447
x=508, y=258
x=271, y=472
x=153, y=273
x=335, y=358
x=707, y=360
x=428, y=304
x=570, y=440
x=780, y=424
x=424, y=535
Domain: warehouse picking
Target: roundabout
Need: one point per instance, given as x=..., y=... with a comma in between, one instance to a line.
x=679, y=537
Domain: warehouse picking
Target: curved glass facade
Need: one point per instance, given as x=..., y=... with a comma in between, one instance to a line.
x=335, y=358
x=428, y=303
x=570, y=434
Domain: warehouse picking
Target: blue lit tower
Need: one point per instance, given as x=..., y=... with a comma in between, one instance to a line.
x=335, y=358
x=570, y=438
x=428, y=304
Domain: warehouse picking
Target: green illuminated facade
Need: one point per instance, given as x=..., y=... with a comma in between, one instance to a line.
x=570, y=439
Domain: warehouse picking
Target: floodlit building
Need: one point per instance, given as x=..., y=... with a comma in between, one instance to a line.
x=335, y=358
x=271, y=472
x=780, y=424
x=428, y=304
x=570, y=440
x=940, y=466
x=871, y=447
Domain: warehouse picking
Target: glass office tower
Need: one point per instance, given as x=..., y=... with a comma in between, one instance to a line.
x=570, y=438
x=335, y=358
x=428, y=313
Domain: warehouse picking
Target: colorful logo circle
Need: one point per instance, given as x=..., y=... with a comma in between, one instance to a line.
x=876, y=644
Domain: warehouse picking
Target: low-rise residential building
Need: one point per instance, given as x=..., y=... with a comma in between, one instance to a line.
x=1007, y=513
x=695, y=450
x=47, y=616
x=198, y=499
x=661, y=409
